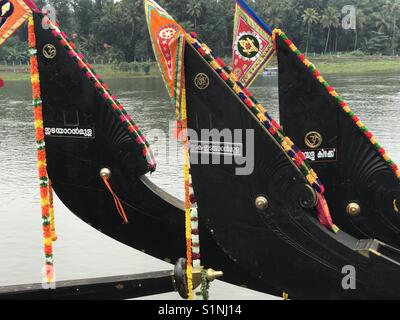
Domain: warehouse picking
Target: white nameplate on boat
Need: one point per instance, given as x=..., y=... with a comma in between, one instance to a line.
x=321, y=155
x=69, y=132
x=216, y=148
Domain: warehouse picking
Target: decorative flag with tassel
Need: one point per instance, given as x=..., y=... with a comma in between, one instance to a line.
x=167, y=38
x=13, y=13
x=252, y=44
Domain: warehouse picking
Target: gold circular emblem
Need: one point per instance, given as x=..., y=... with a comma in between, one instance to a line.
x=202, y=81
x=49, y=51
x=313, y=139
x=353, y=209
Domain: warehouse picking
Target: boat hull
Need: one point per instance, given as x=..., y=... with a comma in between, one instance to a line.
x=352, y=169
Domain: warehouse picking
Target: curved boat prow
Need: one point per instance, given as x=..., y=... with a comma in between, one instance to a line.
x=265, y=220
x=86, y=132
x=362, y=184
x=73, y=105
x=257, y=207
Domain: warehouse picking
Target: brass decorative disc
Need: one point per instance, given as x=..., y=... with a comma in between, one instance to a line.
x=353, y=209
x=313, y=139
x=261, y=203
x=202, y=81
x=49, y=51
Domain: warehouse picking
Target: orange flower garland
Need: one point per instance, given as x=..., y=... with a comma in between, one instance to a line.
x=45, y=193
x=186, y=176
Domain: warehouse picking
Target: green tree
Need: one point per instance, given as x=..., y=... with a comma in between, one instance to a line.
x=378, y=43
x=381, y=22
x=310, y=17
x=194, y=10
x=396, y=10
x=329, y=19
x=361, y=19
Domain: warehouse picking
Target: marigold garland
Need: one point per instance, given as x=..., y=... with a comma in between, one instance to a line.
x=191, y=211
x=186, y=176
x=45, y=193
x=342, y=103
x=52, y=215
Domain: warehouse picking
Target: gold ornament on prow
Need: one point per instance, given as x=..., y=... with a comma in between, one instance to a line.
x=285, y=296
x=313, y=139
x=353, y=209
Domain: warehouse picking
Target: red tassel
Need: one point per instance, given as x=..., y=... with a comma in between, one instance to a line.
x=178, y=130
x=324, y=215
x=117, y=202
x=1, y=83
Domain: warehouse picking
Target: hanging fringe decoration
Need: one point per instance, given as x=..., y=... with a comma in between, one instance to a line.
x=41, y=156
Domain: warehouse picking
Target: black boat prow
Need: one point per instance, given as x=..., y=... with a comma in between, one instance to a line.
x=265, y=221
x=254, y=245
x=85, y=135
x=156, y=219
x=362, y=188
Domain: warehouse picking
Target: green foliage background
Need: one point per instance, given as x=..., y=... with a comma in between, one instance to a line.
x=115, y=31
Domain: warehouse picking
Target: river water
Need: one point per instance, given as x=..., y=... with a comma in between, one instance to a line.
x=82, y=252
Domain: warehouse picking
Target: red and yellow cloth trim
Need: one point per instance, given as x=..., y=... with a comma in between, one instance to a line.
x=340, y=101
x=104, y=91
x=45, y=193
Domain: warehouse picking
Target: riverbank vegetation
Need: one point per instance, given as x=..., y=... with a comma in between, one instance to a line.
x=338, y=64
x=111, y=32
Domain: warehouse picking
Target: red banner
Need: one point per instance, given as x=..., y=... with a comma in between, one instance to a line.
x=252, y=45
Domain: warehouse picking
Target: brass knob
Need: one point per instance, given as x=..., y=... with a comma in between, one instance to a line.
x=213, y=275
x=262, y=203
x=105, y=173
x=353, y=209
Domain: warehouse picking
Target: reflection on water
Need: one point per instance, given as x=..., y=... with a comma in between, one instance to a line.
x=82, y=251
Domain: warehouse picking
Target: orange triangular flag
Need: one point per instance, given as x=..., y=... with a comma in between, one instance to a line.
x=13, y=13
